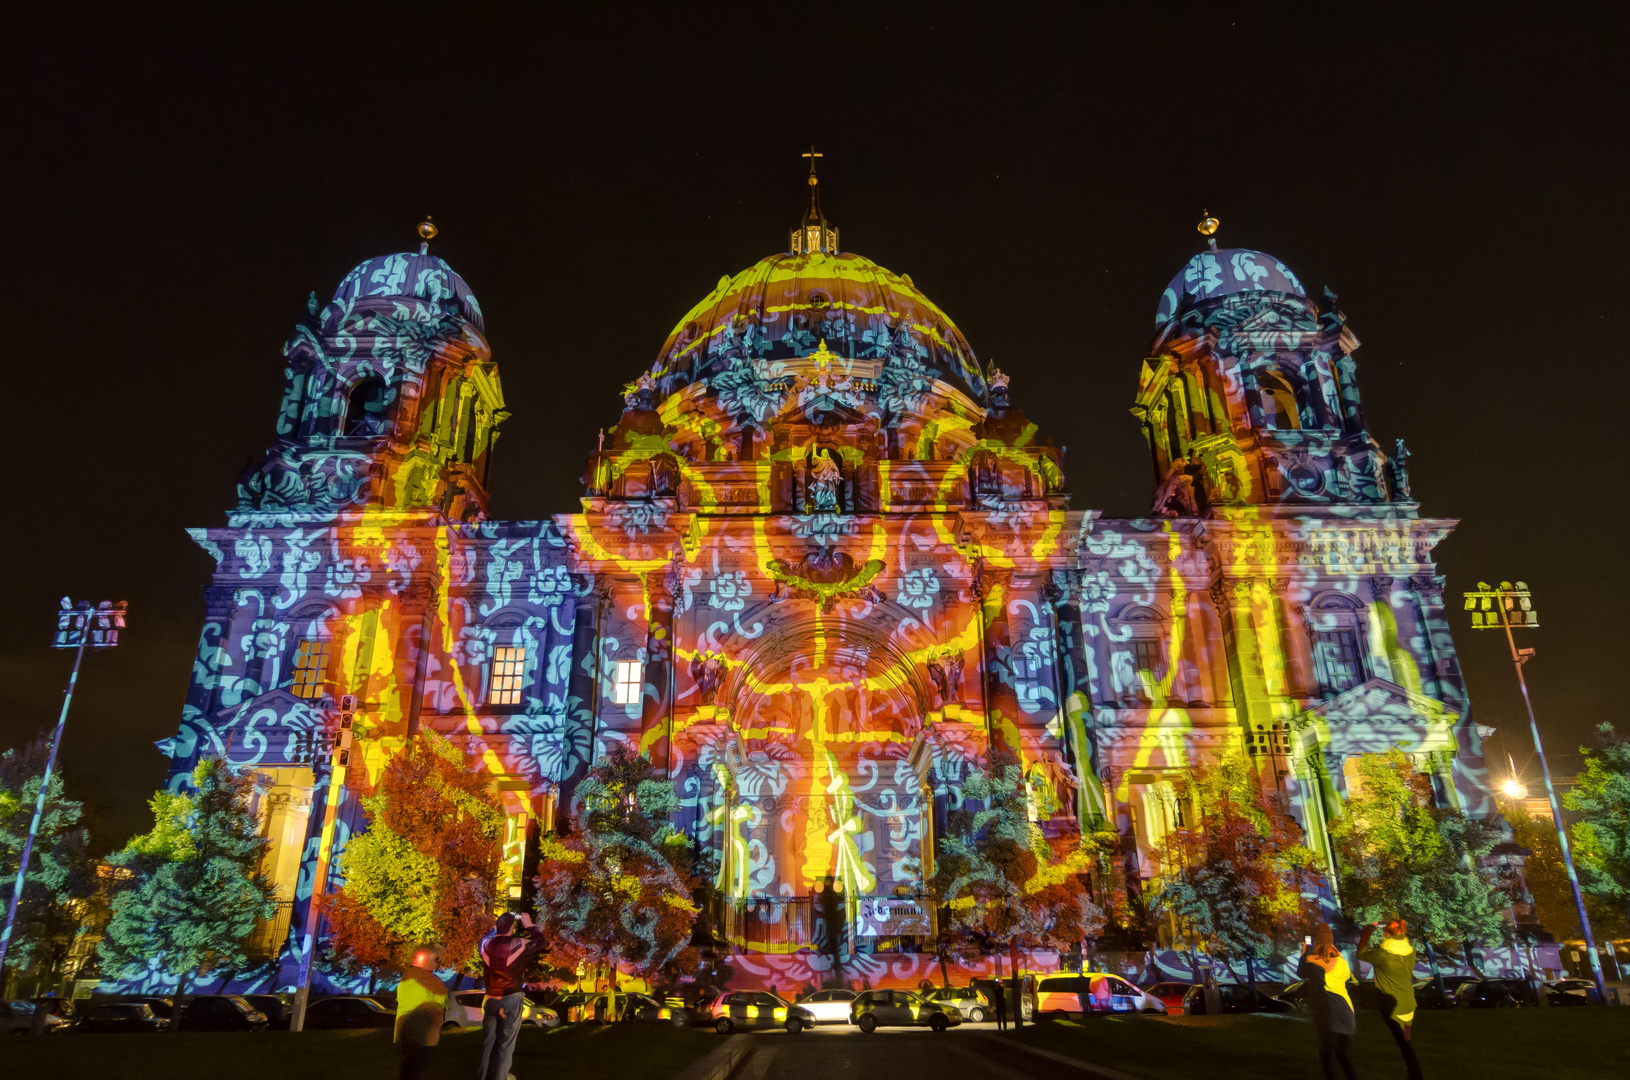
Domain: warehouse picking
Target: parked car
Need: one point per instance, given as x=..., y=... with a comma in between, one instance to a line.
x=1427, y=996
x=832, y=1006
x=567, y=1005
x=162, y=1007
x=1236, y=998
x=220, y=1012
x=468, y=1005
x=967, y=1000
x=122, y=1017
x=1570, y=992
x=757, y=1009
x=1059, y=996
x=17, y=1018
x=1027, y=994
x=1170, y=994
x=64, y=1009
x=632, y=1008
x=880, y=1008
x=275, y=1008
x=1494, y=994
x=346, y=1012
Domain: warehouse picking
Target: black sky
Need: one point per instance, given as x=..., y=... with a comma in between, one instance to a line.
x=177, y=183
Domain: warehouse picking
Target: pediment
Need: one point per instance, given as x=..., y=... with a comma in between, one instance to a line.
x=1379, y=700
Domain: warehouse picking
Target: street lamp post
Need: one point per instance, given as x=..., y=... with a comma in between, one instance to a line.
x=1510, y=607
x=338, y=764
x=78, y=626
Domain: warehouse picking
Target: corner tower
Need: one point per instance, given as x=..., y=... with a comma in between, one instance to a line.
x=392, y=400
x=1250, y=395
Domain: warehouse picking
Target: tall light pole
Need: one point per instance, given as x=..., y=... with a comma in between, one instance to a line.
x=78, y=626
x=325, y=851
x=1511, y=607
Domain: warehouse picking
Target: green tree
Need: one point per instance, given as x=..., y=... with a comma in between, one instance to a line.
x=61, y=874
x=427, y=867
x=1601, y=837
x=999, y=882
x=1401, y=855
x=1239, y=879
x=619, y=889
x=197, y=890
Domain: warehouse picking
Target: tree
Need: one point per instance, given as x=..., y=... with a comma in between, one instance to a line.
x=61, y=875
x=1400, y=855
x=197, y=890
x=998, y=880
x=1239, y=879
x=619, y=889
x=1601, y=836
x=427, y=867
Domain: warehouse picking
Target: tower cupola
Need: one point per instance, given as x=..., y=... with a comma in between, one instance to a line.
x=814, y=233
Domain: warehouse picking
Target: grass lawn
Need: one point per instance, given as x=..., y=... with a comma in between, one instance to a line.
x=1492, y=1043
x=620, y=1052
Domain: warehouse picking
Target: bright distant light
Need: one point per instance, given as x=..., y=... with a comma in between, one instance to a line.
x=1515, y=788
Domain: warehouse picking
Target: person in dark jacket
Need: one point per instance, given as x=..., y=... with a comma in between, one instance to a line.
x=999, y=1001
x=1326, y=975
x=1393, y=962
x=504, y=957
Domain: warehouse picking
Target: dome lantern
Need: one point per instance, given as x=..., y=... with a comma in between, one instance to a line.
x=814, y=234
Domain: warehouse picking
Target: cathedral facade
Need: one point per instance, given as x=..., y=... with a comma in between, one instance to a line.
x=822, y=562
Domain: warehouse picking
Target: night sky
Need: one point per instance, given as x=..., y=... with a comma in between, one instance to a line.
x=178, y=184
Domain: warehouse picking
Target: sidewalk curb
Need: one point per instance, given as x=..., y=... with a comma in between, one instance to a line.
x=718, y=1063
x=1007, y=1046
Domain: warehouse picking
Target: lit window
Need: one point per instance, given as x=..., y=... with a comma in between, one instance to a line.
x=507, y=666
x=630, y=676
x=1343, y=668
x=311, y=668
x=1148, y=654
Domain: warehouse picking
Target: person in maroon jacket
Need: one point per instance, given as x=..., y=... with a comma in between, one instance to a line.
x=504, y=957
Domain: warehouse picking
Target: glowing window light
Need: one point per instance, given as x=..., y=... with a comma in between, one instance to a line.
x=626, y=689
x=508, y=664
x=311, y=668
x=1344, y=668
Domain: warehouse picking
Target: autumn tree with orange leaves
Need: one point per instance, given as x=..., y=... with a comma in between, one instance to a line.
x=427, y=867
x=1238, y=879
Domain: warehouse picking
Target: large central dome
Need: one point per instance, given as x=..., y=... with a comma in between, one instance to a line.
x=784, y=306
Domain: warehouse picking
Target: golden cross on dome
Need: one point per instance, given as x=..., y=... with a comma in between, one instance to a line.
x=812, y=155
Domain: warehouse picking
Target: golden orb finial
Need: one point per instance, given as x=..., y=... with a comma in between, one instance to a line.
x=427, y=228
x=1208, y=225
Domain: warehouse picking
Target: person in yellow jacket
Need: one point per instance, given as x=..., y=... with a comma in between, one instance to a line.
x=1393, y=962
x=1326, y=976
x=422, y=1004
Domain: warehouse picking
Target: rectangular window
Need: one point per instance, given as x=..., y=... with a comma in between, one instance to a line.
x=1148, y=654
x=1343, y=668
x=630, y=677
x=508, y=664
x=311, y=669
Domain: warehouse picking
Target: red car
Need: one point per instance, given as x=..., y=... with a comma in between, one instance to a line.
x=1170, y=995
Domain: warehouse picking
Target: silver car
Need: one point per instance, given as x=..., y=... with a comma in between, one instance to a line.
x=972, y=1004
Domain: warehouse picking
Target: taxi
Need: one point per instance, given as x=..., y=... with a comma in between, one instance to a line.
x=881, y=1008
x=758, y=1009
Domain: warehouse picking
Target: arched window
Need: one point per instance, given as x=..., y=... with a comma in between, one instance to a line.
x=365, y=413
x=1278, y=403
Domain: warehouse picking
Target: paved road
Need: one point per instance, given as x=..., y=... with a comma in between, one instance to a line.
x=832, y=1050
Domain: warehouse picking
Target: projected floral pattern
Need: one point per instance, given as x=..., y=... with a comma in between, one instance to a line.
x=823, y=565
